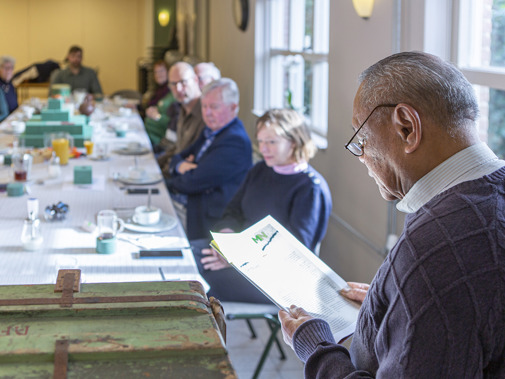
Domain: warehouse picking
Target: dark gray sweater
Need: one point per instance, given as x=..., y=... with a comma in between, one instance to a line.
x=436, y=307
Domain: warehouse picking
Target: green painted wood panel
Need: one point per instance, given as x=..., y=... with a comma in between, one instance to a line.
x=126, y=339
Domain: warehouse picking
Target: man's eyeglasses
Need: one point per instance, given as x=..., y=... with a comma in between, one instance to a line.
x=182, y=82
x=356, y=148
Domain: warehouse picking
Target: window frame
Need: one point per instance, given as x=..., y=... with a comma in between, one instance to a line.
x=492, y=77
x=268, y=95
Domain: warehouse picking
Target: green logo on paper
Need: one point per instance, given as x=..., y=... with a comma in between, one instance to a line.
x=265, y=236
x=260, y=237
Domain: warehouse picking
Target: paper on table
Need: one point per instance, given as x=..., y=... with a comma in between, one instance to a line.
x=289, y=273
x=97, y=185
x=151, y=242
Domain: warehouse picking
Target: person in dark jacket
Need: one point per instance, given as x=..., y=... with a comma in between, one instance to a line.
x=9, y=100
x=282, y=185
x=206, y=175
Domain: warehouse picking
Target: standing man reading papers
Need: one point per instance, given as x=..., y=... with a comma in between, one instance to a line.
x=436, y=307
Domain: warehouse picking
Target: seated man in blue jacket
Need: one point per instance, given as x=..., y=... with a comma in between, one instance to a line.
x=206, y=175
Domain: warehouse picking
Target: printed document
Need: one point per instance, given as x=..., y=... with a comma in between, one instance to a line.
x=280, y=266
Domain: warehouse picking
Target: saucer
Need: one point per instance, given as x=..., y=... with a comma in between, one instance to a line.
x=166, y=222
x=150, y=178
x=99, y=157
x=17, y=128
x=129, y=151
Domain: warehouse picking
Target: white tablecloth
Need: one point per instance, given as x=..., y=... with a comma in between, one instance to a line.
x=66, y=243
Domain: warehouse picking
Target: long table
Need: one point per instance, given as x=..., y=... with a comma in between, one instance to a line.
x=66, y=243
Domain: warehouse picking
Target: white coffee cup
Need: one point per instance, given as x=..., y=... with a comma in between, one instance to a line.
x=18, y=127
x=137, y=173
x=146, y=216
x=125, y=112
x=27, y=111
x=122, y=126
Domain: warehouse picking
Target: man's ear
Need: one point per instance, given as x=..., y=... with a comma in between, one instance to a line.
x=407, y=123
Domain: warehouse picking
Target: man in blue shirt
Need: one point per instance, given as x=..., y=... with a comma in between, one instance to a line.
x=206, y=175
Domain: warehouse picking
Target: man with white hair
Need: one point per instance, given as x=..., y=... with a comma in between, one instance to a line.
x=206, y=73
x=206, y=175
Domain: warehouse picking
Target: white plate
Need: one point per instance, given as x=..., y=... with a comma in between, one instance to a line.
x=166, y=222
x=150, y=178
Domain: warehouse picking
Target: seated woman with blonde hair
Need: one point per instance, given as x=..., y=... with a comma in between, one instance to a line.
x=282, y=185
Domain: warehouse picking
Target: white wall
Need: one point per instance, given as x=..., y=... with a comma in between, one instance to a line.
x=232, y=50
x=355, y=44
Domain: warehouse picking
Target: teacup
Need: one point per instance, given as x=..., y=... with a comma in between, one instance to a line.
x=18, y=127
x=28, y=111
x=121, y=129
x=137, y=173
x=125, y=112
x=146, y=215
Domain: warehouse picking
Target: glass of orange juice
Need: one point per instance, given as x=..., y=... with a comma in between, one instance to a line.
x=89, y=147
x=61, y=143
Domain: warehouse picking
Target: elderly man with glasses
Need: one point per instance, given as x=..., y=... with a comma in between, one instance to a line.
x=183, y=84
x=206, y=175
x=8, y=94
x=436, y=307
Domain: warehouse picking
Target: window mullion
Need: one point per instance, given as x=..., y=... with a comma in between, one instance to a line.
x=489, y=77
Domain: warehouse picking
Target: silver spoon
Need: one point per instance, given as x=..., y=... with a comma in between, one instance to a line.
x=149, y=199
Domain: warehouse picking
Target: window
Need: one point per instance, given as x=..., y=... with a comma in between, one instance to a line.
x=292, y=43
x=481, y=57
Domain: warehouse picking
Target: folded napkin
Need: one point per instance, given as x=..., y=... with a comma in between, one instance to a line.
x=151, y=242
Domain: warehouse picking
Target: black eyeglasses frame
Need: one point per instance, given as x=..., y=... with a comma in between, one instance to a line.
x=356, y=148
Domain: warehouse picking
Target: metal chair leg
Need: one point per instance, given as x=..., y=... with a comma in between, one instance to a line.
x=274, y=328
x=273, y=337
x=251, y=329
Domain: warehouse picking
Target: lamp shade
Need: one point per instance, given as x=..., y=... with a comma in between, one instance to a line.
x=163, y=17
x=363, y=8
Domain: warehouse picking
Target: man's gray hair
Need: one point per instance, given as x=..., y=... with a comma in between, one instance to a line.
x=210, y=69
x=7, y=59
x=229, y=90
x=434, y=87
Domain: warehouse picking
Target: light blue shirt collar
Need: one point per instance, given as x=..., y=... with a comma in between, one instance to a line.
x=471, y=163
